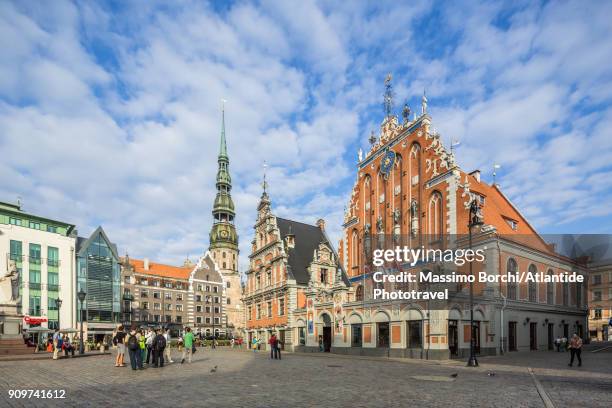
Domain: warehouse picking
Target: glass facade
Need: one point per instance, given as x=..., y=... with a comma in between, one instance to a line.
x=99, y=276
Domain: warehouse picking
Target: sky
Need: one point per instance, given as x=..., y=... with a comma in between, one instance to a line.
x=110, y=112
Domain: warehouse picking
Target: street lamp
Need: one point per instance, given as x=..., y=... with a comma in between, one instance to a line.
x=209, y=300
x=81, y=296
x=58, y=303
x=475, y=219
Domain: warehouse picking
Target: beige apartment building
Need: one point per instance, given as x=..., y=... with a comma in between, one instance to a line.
x=160, y=295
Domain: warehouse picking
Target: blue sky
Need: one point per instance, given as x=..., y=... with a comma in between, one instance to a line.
x=110, y=112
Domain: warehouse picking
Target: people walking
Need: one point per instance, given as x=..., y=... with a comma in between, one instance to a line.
x=167, y=355
x=159, y=345
x=272, y=343
x=119, y=341
x=279, y=343
x=149, y=342
x=558, y=344
x=188, y=345
x=575, y=346
x=255, y=344
x=133, y=346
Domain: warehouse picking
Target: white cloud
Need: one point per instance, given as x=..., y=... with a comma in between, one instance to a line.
x=112, y=117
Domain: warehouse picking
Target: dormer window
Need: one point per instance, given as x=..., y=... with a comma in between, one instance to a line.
x=323, y=276
x=512, y=223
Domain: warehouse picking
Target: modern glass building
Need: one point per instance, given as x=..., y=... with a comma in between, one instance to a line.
x=98, y=274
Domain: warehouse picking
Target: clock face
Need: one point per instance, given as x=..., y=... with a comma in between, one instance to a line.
x=223, y=234
x=387, y=162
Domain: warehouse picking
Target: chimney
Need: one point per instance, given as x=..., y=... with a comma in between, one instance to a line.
x=146, y=264
x=321, y=224
x=476, y=174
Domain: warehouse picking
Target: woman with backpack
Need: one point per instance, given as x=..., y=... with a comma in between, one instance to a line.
x=133, y=346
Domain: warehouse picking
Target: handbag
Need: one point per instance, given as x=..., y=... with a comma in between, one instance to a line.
x=193, y=349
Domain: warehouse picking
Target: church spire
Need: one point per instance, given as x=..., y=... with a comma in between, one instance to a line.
x=223, y=146
x=223, y=233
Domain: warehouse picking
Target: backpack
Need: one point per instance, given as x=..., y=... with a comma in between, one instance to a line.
x=133, y=343
x=160, y=342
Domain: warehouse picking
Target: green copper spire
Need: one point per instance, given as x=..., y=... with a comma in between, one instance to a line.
x=223, y=233
x=223, y=147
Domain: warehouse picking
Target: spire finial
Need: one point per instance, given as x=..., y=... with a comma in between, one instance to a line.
x=424, y=103
x=265, y=183
x=388, y=95
x=223, y=146
x=495, y=168
x=372, y=138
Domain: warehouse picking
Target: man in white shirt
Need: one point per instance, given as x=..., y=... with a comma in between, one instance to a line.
x=167, y=349
x=150, y=336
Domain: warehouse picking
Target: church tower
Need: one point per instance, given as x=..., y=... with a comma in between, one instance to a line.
x=224, y=239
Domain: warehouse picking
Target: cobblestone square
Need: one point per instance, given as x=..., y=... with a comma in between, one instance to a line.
x=247, y=379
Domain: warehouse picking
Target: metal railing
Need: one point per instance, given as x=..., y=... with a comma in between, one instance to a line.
x=33, y=260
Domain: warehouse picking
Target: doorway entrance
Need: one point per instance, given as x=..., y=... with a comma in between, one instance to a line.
x=383, y=335
x=533, y=336
x=327, y=332
x=511, y=336
x=551, y=336
x=453, y=337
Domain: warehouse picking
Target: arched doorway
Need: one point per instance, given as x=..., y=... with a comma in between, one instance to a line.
x=326, y=339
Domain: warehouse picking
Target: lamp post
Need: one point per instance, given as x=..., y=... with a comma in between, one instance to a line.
x=58, y=303
x=209, y=300
x=475, y=219
x=81, y=296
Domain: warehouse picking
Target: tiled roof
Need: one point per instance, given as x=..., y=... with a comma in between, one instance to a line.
x=161, y=270
x=498, y=210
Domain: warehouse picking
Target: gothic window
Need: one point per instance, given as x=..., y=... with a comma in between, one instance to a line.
x=436, y=222
x=359, y=293
x=550, y=289
x=355, y=251
x=533, y=286
x=511, y=285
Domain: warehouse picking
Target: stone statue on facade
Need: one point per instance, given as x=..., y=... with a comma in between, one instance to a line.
x=9, y=284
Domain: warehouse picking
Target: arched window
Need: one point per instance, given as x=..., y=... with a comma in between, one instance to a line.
x=511, y=285
x=224, y=265
x=550, y=289
x=436, y=223
x=354, y=253
x=359, y=293
x=533, y=286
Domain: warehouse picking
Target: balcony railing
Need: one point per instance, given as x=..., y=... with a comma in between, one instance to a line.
x=41, y=286
x=33, y=260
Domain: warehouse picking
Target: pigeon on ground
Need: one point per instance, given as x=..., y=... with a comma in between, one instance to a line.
x=490, y=373
x=214, y=369
x=454, y=375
